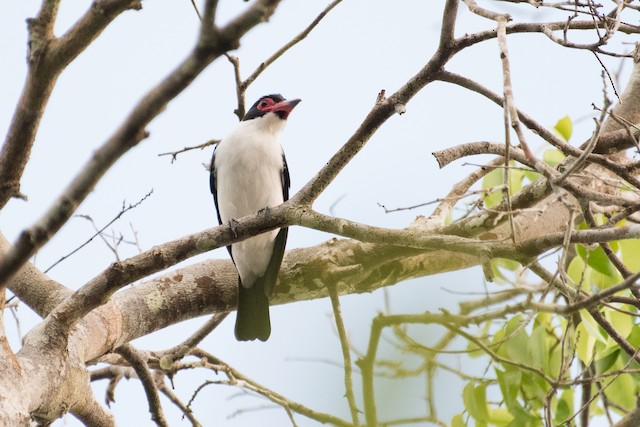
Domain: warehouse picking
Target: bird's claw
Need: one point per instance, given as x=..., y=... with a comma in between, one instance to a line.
x=233, y=225
x=264, y=211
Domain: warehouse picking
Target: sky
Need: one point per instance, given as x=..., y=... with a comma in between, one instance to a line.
x=361, y=47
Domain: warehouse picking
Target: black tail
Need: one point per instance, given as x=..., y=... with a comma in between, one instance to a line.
x=252, y=319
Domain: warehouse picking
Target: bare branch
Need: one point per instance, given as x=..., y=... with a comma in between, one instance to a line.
x=195, y=8
x=241, y=86
x=166, y=358
x=237, y=378
x=379, y=114
x=607, y=142
x=179, y=403
x=139, y=364
x=99, y=232
x=91, y=413
x=174, y=154
x=545, y=28
x=578, y=190
x=209, y=47
x=48, y=57
x=346, y=354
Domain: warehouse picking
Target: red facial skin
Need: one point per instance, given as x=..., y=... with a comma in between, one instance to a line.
x=283, y=108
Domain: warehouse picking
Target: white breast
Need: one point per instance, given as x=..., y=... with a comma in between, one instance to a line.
x=248, y=165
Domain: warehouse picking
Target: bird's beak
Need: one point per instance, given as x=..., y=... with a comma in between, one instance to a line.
x=284, y=108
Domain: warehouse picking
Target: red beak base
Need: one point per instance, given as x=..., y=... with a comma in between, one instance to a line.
x=284, y=108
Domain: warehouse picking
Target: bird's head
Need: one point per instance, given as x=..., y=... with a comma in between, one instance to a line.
x=276, y=104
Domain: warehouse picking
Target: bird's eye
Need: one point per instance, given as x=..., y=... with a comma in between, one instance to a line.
x=263, y=104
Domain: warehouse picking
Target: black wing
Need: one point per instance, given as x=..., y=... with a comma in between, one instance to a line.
x=271, y=275
x=214, y=190
x=286, y=181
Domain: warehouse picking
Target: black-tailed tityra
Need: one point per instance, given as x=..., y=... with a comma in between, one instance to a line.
x=249, y=173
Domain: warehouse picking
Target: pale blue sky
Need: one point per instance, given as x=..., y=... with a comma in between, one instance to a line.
x=361, y=47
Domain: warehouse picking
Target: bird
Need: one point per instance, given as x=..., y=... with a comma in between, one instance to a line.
x=249, y=174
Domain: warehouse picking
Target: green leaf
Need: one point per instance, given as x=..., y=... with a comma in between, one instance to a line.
x=564, y=408
x=577, y=272
x=532, y=175
x=597, y=259
x=475, y=402
x=500, y=417
x=509, y=264
x=516, y=348
x=603, y=281
x=458, y=421
x=622, y=322
x=630, y=250
x=539, y=350
x=473, y=350
x=524, y=419
x=634, y=336
x=544, y=320
x=553, y=157
x=509, y=381
x=502, y=263
x=555, y=359
x=513, y=324
x=591, y=326
x=495, y=178
x=515, y=180
x=498, y=337
x=564, y=127
x=622, y=391
x=535, y=389
x=448, y=219
x=585, y=345
x=608, y=360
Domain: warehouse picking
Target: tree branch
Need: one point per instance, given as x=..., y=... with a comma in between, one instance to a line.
x=346, y=353
x=139, y=364
x=247, y=383
x=211, y=44
x=167, y=357
x=241, y=86
x=48, y=57
x=380, y=113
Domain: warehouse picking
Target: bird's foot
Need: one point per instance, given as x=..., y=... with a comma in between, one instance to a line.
x=233, y=224
x=264, y=211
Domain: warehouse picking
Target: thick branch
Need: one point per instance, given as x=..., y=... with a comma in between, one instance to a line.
x=34, y=288
x=382, y=110
x=48, y=57
x=211, y=286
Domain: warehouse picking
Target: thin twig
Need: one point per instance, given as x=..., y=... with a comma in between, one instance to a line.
x=235, y=378
x=162, y=387
x=174, y=154
x=346, y=353
x=195, y=7
x=99, y=232
x=139, y=364
x=241, y=86
x=168, y=357
x=588, y=149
